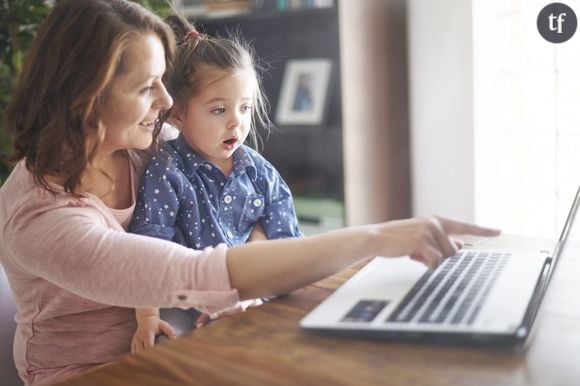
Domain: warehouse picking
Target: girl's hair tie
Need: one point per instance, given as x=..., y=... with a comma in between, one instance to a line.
x=192, y=33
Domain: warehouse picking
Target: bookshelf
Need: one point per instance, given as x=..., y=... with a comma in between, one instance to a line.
x=353, y=168
x=220, y=9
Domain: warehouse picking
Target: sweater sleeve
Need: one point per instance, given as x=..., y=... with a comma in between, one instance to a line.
x=75, y=248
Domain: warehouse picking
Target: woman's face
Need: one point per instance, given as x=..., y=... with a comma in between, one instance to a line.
x=136, y=96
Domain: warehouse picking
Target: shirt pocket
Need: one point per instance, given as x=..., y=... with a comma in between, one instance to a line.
x=252, y=210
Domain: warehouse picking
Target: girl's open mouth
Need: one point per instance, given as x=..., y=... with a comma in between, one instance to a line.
x=230, y=141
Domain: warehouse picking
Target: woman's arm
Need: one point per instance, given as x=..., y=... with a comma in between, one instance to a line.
x=74, y=249
x=305, y=260
x=109, y=266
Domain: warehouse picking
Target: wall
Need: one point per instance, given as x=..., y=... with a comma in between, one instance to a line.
x=375, y=110
x=441, y=100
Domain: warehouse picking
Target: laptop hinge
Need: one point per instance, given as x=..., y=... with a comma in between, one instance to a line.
x=536, y=300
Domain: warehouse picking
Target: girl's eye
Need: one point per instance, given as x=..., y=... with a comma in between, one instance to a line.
x=219, y=110
x=246, y=109
x=148, y=89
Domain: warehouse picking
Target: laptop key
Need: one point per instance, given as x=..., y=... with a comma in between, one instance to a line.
x=454, y=292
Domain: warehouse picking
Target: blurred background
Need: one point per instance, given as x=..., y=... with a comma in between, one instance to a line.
x=453, y=107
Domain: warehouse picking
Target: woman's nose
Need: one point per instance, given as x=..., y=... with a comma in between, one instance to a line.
x=164, y=100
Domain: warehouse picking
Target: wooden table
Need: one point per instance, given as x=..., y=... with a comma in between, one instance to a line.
x=265, y=346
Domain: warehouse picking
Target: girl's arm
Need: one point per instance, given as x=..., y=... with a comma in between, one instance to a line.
x=149, y=325
x=279, y=219
x=257, y=234
x=157, y=206
x=142, y=313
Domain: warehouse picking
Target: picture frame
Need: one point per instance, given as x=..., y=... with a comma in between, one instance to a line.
x=304, y=92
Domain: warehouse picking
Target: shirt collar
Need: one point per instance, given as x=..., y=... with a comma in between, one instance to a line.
x=243, y=163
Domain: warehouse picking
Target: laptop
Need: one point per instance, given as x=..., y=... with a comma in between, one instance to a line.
x=479, y=296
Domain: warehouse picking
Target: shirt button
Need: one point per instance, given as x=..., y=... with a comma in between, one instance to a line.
x=228, y=199
x=257, y=202
x=208, y=166
x=182, y=297
x=229, y=234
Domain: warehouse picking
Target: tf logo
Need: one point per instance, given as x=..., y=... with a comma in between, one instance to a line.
x=557, y=22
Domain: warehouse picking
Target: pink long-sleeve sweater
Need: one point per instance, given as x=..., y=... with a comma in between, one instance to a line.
x=76, y=276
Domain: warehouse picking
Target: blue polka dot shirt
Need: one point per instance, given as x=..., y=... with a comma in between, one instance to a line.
x=186, y=199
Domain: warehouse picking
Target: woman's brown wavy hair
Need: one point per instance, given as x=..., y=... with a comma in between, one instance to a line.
x=59, y=95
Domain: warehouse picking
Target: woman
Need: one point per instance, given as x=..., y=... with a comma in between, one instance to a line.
x=88, y=97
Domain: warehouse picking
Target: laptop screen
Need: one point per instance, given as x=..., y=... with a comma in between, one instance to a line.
x=548, y=269
x=567, y=226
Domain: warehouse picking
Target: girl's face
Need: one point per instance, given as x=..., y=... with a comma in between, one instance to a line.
x=216, y=121
x=136, y=96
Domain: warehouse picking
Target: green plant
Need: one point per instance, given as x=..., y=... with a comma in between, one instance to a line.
x=19, y=20
x=18, y=23
x=160, y=7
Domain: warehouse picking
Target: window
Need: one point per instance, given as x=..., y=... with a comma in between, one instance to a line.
x=526, y=120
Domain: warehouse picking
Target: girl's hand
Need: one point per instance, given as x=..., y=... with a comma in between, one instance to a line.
x=147, y=329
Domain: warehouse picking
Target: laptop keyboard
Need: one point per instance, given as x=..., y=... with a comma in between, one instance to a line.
x=454, y=292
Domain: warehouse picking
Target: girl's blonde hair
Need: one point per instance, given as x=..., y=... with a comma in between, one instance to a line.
x=58, y=98
x=198, y=53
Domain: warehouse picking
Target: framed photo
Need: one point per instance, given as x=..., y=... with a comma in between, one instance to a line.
x=303, y=93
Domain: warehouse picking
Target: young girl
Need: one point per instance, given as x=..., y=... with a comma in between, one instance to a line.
x=207, y=187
